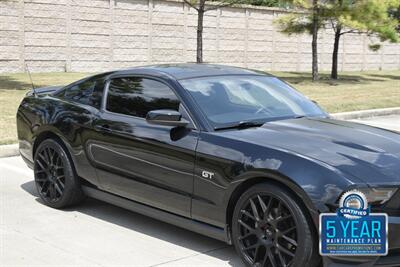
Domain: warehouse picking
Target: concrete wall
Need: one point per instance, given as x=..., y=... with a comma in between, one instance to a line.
x=97, y=35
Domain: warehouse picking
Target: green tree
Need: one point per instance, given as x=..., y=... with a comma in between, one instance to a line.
x=202, y=6
x=371, y=17
x=395, y=13
x=307, y=18
x=269, y=3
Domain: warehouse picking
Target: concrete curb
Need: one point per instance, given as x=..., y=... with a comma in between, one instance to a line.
x=353, y=115
x=9, y=150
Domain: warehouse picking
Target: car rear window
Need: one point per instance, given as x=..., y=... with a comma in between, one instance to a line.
x=88, y=91
x=81, y=92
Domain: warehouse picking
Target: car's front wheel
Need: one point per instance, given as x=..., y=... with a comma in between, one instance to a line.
x=270, y=229
x=55, y=179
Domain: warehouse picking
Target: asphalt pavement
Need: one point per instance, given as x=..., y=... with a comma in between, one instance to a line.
x=99, y=234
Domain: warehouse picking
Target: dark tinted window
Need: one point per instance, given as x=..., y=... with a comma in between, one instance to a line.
x=81, y=92
x=138, y=96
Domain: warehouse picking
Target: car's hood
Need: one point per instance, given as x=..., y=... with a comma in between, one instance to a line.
x=368, y=153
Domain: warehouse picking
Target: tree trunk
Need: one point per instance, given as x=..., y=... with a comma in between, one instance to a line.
x=334, y=71
x=200, y=18
x=315, y=27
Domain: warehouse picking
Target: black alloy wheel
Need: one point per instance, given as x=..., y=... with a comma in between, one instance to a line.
x=270, y=230
x=50, y=174
x=55, y=179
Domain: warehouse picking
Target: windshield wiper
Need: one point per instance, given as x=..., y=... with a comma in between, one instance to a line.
x=299, y=116
x=241, y=125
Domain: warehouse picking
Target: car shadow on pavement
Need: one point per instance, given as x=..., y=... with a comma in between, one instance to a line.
x=151, y=227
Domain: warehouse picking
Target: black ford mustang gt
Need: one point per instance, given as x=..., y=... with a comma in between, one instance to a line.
x=234, y=154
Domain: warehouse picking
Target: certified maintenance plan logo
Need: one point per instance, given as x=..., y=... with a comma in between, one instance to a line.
x=353, y=230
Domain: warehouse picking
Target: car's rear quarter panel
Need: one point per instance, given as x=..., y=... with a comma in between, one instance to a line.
x=29, y=116
x=37, y=117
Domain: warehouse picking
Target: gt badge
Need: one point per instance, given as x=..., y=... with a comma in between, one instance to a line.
x=208, y=175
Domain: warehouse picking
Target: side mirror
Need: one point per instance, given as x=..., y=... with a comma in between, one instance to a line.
x=166, y=117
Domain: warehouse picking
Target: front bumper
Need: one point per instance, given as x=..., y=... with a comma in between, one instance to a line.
x=391, y=260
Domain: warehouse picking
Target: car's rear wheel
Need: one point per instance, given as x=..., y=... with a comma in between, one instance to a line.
x=55, y=179
x=270, y=229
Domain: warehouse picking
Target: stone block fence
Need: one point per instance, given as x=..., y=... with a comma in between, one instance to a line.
x=98, y=35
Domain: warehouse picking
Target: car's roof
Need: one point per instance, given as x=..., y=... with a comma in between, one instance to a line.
x=190, y=70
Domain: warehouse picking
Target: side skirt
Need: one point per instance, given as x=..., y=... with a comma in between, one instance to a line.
x=27, y=161
x=186, y=223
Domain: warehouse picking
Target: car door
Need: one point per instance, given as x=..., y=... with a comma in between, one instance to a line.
x=148, y=163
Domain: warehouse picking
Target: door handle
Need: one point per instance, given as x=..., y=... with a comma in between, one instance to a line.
x=103, y=127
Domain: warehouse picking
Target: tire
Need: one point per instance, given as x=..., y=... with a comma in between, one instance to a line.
x=270, y=228
x=56, y=182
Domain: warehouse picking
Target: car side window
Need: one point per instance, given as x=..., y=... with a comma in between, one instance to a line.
x=81, y=92
x=137, y=96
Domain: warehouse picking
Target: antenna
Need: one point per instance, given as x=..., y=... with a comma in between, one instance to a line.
x=30, y=77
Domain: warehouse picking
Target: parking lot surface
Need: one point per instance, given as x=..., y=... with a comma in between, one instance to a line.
x=96, y=233
x=386, y=122
x=92, y=234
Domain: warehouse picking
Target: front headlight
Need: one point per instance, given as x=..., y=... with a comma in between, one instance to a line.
x=378, y=196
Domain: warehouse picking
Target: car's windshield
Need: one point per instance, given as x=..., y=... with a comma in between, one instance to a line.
x=228, y=100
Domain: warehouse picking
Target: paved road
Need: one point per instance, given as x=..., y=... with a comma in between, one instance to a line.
x=386, y=122
x=96, y=233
